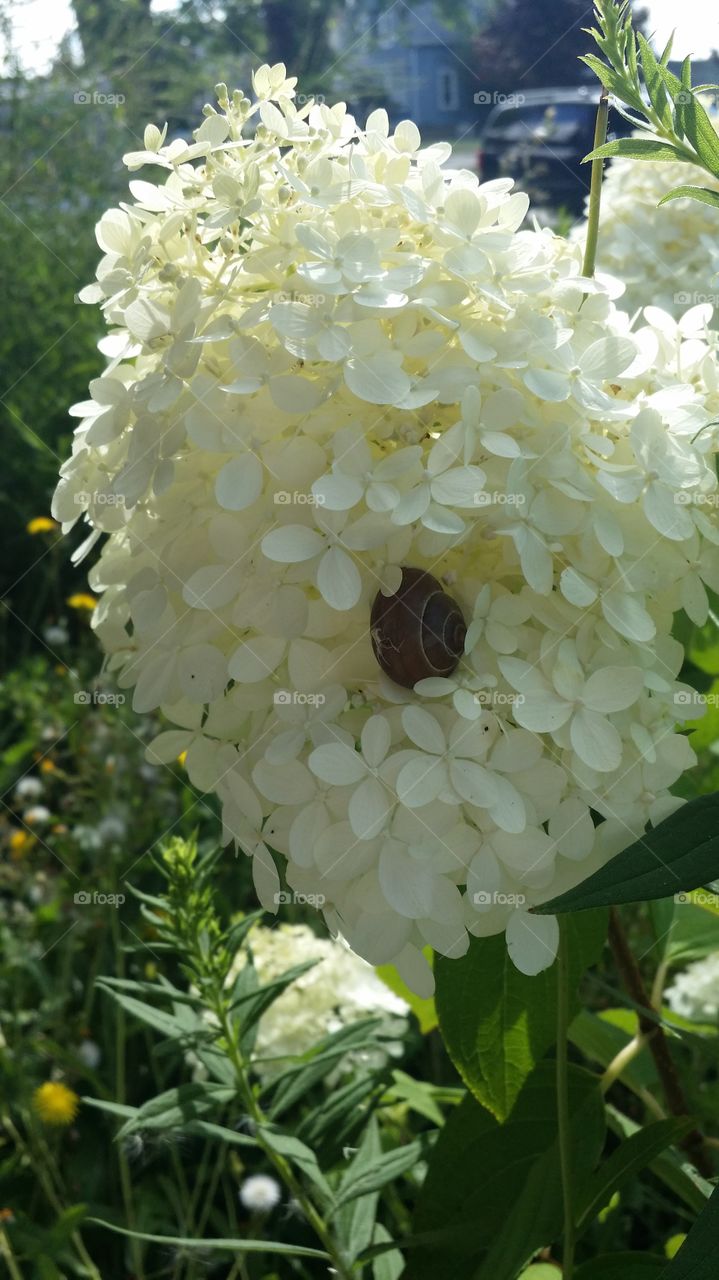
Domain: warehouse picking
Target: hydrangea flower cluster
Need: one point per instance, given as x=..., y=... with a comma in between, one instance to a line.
x=333, y=356
x=694, y=993
x=667, y=257
x=338, y=990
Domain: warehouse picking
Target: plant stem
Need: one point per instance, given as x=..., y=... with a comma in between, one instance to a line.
x=125, y=1179
x=281, y=1165
x=9, y=1257
x=595, y=187
x=653, y=1034
x=563, y=1122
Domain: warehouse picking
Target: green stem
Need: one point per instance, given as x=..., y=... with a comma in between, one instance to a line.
x=563, y=1121
x=595, y=187
x=9, y=1257
x=281, y=1165
x=120, y=1089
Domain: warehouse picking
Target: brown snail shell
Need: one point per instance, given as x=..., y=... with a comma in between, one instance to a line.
x=417, y=632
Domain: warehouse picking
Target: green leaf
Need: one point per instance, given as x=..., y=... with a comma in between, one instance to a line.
x=635, y=149
x=287, y=1088
x=354, y=1222
x=478, y=1167
x=158, y=1019
x=377, y=1173
x=298, y=1154
x=192, y=1242
x=419, y=1095
x=496, y=1022
x=673, y=1169
x=628, y=1159
x=680, y=854
x=653, y=80
x=534, y=1217
x=621, y=1266
x=176, y=1107
x=697, y=126
x=696, y=1260
x=704, y=195
x=389, y=1265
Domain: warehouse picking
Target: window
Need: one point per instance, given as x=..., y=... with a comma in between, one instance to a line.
x=448, y=90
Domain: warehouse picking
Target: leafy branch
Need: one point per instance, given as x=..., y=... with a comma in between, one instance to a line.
x=655, y=101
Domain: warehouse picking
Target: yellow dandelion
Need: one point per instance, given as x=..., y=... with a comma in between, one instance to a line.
x=41, y=524
x=47, y=765
x=55, y=1103
x=81, y=600
x=20, y=842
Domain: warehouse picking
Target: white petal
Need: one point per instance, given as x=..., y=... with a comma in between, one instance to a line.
x=596, y=741
x=423, y=730
x=532, y=941
x=338, y=579
x=239, y=483
x=337, y=764
x=292, y=543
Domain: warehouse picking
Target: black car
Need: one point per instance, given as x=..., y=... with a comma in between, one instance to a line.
x=540, y=137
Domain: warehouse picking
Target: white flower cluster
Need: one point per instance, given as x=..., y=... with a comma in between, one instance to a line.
x=332, y=356
x=666, y=257
x=694, y=993
x=338, y=990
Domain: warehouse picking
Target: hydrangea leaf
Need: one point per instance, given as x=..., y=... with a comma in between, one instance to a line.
x=480, y=1166
x=498, y=1023
x=678, y=855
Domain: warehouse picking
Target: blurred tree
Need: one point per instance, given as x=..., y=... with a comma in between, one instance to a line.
x=534, y=44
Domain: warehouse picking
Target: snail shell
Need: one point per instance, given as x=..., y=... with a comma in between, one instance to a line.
x=417, y=632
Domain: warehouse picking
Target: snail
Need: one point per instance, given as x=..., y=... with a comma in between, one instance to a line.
x=417, y=632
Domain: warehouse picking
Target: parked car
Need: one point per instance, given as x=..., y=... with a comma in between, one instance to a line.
x=540, y=138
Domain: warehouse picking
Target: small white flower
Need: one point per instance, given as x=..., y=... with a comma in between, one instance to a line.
x=38, y=815
x=260, y=1193
x=28, y=788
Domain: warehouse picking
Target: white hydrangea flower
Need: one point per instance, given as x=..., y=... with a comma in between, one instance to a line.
x=665, y=257
x=694, y=992
x=338, y=990
x=333, y=357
